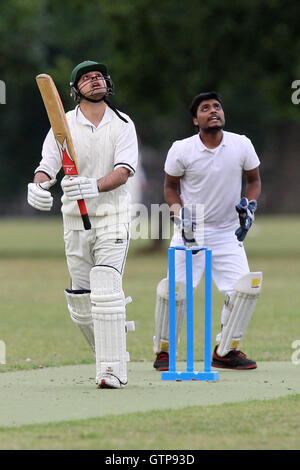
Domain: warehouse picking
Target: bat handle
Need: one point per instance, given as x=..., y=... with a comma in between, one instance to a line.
x=84, y=214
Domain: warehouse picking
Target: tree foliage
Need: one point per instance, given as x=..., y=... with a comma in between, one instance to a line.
x=160, y=54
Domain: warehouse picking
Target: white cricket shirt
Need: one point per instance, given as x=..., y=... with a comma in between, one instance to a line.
x=212, y=177
x=99, y=150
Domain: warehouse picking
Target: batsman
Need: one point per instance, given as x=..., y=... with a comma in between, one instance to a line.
x=106, y=150
x=203, y=188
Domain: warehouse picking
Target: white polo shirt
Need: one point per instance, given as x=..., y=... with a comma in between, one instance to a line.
x=212, y=177
x=125, y=144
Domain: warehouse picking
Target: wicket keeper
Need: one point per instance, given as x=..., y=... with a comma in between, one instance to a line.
x=205, y=172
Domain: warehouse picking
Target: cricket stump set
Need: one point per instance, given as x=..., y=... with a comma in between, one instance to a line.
x=190, y=374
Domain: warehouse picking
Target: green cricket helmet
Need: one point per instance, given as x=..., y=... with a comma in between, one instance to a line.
x=89, y=66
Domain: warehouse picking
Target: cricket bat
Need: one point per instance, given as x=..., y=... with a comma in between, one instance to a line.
x=61, y=131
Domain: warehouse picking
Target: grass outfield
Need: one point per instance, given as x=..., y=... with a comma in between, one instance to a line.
x=35, y=325
x=271, y=424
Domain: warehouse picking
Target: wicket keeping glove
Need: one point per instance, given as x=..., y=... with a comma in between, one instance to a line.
x=187, y=227
x=246, y=211
x=39, y=196
x=79, y=187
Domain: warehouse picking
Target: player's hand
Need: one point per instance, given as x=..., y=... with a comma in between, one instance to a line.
x=39, y=196
x=79, y=187
x=246, y=211
x=187, y=227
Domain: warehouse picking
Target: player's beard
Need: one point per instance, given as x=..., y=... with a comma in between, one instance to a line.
x=213, y=130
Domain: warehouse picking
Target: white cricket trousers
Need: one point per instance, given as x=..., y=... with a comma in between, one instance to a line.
x=229, y=260
x=99, y=246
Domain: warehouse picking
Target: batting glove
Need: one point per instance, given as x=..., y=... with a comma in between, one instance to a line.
x=246, y=211
x=39, y=196
x=187, y=227
x=79, y=187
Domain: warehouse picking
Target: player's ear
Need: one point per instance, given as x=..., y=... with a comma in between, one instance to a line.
x=195, y=122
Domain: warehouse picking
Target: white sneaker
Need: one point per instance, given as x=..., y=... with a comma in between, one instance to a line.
x=110, y=381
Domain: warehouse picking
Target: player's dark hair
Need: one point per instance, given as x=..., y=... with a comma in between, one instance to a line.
x=209, y=95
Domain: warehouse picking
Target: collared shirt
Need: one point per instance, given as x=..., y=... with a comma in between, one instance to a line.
x=81, y=118
x=125, y=149
x=212, y=178
x=99, y=150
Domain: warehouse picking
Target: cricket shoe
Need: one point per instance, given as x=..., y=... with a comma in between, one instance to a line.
x=110, y=381
x=233, y=360
x=162, y=361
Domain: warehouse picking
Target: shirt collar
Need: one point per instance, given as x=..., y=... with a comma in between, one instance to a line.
x=83, y=120
x=203, y=148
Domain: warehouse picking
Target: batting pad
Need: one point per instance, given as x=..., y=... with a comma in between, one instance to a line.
x=238, y=311
x=109, y=317
x=161, y=338
x=79, y=306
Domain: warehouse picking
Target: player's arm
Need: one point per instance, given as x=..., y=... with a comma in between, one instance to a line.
x=126, y=157
x=113, y=180
x=81, y=187
x=171, y=193
x=248, y=204
x=181, y=216
x=41, y=177
x=253, y=184
x=38, y=195
x=50, y=163
x=125, y=160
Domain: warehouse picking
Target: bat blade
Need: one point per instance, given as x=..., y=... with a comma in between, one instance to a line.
x=62, y=134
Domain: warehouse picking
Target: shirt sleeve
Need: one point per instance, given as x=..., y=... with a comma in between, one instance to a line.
x=126, y=151
x=251, y=159
x=174, y=165
x=51, y=161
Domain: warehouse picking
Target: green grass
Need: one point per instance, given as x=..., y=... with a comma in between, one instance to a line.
x=35, y=322
x=37, y=330
x=229, y=427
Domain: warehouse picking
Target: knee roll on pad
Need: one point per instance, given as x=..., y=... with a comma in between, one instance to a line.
x=107, y=295
x=79, y=306
x=238, y=311
x=109, y=318
x=161, y=338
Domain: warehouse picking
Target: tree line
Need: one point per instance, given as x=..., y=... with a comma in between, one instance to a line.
x=160, y=55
